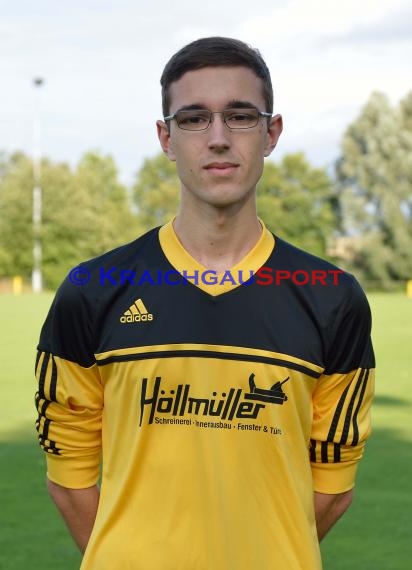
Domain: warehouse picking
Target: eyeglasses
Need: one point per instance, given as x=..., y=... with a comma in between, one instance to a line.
x=200, y=119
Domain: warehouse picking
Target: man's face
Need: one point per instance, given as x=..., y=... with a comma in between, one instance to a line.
x=219, y=166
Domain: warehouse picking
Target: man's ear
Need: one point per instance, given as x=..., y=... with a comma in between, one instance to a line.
x=163, y=133
x=273, y=134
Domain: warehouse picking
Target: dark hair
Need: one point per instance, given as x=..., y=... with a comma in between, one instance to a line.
x=215, y=52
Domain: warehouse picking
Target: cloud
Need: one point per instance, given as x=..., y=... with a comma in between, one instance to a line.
x=309, y=20
x=392, y=27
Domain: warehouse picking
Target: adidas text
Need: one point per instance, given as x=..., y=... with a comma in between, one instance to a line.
x=136, y=318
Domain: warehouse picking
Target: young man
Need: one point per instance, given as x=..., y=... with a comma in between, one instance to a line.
x=226, y=404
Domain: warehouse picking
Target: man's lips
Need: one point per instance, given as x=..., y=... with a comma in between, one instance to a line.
x=221, y=167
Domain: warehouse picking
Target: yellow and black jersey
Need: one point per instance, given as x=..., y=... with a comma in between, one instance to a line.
x=210, y=410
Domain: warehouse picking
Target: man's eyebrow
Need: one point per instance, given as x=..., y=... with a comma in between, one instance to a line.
x=233, y=104
x=239, y=104
x=192, y=107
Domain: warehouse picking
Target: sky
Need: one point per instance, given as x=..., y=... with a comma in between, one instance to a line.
x=101, y=61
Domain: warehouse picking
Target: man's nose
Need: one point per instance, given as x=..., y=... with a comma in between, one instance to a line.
x=218, y=133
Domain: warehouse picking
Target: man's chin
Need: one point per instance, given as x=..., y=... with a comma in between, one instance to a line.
x=224, y=195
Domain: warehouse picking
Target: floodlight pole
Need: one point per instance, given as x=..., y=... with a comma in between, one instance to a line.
x=37, y=278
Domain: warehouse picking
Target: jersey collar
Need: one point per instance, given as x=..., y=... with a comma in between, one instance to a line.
x=200, y=276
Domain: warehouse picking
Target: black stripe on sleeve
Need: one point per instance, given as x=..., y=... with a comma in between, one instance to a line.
x=348, y=417
x=324, y=451
x=49, y=446
x=355, y=439
x=44, y=407
x=45, y=432
x=42, y=403
x=53, y=382
x=336, y=453
x=337, y=414
x=43, y=372
x=312, y=450
x=42, y=413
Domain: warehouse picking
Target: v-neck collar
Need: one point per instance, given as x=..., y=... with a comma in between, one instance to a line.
x=200, y=276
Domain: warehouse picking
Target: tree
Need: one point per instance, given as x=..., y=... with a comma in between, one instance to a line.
x=85, y=213
x=405, y=107
x=297, y=202
x=374, y=173
x=156, y=191
x=16, y=230
x=106, y=218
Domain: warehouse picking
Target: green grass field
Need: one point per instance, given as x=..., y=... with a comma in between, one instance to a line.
x=374, y=535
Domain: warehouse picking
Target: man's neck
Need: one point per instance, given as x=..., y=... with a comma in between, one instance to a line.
x=218, y=238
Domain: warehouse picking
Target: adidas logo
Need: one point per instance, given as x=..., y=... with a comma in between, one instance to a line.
x=136, y=313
